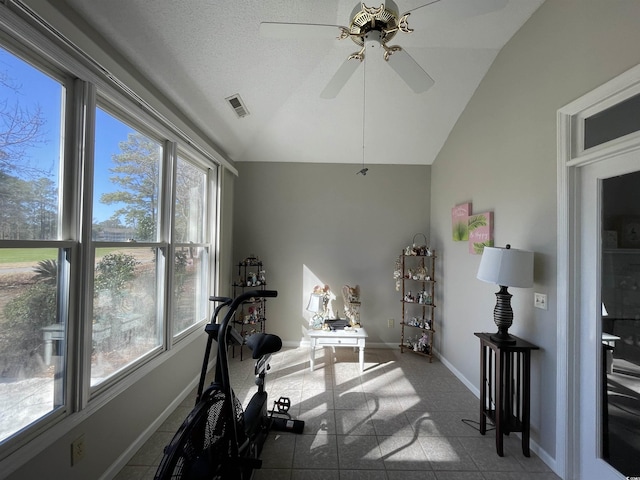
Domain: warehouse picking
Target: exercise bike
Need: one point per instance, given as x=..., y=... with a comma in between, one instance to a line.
x=219, y=440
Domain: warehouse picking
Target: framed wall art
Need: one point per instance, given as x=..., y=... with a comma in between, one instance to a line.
x=480, y=232
x=459, y=222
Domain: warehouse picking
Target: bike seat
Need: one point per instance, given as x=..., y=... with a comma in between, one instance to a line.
x=263, y=344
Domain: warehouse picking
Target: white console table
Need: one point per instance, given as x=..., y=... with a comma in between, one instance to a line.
x=338, y=338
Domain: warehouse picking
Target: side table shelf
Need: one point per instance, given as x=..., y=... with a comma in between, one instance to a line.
x=505, y=383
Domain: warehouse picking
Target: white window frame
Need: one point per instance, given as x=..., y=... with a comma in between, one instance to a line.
x=38, y=44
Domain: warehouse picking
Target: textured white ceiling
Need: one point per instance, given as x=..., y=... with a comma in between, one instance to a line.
x=199, y=52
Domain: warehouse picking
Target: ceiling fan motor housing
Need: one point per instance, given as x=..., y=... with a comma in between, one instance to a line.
x=383, y=19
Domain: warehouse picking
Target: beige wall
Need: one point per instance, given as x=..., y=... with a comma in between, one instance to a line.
x=312, y=223
x=501, y=156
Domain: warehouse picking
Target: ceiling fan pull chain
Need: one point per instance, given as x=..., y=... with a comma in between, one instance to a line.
x=364, y=170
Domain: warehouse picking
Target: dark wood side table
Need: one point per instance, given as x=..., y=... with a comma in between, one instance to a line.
x=505, y=382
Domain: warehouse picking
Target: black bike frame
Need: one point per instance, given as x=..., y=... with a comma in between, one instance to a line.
x=226, y=333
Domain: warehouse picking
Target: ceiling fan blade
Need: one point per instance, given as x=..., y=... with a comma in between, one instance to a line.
x=421, y=6
x=344, y=73
x=461, y=8
x=298, y=30
x=413, y=74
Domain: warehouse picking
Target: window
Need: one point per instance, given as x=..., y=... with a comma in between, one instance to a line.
x=128, y=275
x=33, y=278
x=191, y=252
x=110, y=242
x=614, y=122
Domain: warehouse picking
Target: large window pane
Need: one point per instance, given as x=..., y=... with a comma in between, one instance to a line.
x=190, y=204
x=126, y=183
x=125, y=320
x=190, y=287
x=127, y=280
x=191, y=256
x=30, y=133
x=32, y=336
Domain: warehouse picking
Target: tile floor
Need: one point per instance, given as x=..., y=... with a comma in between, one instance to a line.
x=402, y=418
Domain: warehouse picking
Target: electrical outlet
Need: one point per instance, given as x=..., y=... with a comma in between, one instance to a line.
x=390, y=323
x=77, y=450
x=540, y=300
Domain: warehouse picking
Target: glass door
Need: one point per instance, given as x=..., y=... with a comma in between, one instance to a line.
x=609, y=328
x=620, y=295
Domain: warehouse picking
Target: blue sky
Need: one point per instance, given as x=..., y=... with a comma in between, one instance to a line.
x=109, y=133
x=33, y=89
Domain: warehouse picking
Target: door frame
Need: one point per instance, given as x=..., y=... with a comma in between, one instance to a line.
x=570, y=158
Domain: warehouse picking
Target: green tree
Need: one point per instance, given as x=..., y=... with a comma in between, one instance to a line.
x=137, y=171
x=42, y=208
x=28, y=208
x=14, y=193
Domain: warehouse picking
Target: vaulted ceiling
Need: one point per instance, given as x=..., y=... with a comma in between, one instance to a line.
x=199, y=52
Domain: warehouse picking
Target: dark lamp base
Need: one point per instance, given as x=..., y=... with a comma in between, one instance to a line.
x=503, y=338
x=503, y=317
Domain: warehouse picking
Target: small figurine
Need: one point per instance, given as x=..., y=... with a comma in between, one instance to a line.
x=423, y=343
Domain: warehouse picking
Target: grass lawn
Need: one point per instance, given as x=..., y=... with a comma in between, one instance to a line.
x=18, y=255
x=33, y=255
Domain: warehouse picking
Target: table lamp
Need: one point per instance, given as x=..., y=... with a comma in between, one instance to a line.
x=317, y=307
x=506, y=267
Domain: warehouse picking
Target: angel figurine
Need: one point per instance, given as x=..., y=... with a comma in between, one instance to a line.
x=351, y=300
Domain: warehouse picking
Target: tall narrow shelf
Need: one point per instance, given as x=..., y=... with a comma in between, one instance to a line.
x=417, y=280
x=251, y=315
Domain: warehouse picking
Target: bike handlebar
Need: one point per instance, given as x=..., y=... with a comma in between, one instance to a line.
x=214, y=298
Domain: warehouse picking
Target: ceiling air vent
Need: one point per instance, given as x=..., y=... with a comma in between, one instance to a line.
x=238, y=105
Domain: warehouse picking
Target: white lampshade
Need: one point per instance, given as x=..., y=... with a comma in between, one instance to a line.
x=316, y=303
x=507, y=267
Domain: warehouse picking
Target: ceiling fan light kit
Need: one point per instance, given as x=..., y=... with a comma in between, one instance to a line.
x=382, y=19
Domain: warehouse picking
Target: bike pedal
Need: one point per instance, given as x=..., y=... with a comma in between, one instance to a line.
x=283, y=404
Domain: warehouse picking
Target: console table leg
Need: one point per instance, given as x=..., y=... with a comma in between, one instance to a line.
x=499, y=403
x=526, y=408
x=483, y=389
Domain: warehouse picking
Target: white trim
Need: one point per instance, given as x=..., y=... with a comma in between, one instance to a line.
x=570, y=157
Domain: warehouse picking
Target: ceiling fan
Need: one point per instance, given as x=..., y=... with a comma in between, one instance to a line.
x=375, y=27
